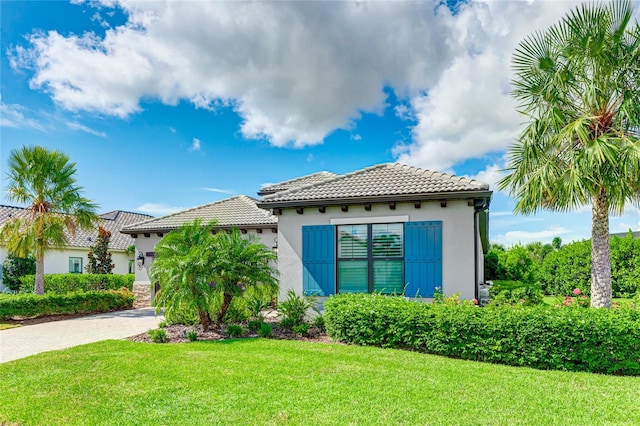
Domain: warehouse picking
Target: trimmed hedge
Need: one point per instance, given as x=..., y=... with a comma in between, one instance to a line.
x=20, y=306
x=544, y=337
x=66, y=283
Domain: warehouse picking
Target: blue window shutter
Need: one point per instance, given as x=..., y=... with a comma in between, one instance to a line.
x=423, y=258
x=318, y=259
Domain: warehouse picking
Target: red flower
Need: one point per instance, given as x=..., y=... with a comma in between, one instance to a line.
x=475, y=301
x=577, y=291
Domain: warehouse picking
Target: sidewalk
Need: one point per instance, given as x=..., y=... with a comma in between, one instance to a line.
x=28, y=340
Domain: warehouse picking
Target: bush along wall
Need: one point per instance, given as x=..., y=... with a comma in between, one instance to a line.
x=65, y=283
x=544, y=337
x=21, y=306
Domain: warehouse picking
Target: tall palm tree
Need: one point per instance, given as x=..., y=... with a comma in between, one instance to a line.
x=184, y=268
x=45, y=181
x=578, y=83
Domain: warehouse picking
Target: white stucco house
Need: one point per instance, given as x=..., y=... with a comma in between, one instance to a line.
x=74, y=257
x=239, y=212
x=388, y=228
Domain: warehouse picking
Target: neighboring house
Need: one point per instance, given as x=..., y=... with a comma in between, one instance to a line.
x=74, y=257
x=635, y=234
x=239, y=212
x=388, y=228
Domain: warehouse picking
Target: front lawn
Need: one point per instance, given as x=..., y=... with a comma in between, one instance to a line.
x=258, y=381
x=4, y=326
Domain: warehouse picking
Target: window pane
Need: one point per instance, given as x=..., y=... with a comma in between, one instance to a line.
x=387, y=240
x=388, y=276
x=352, y=276
x=352, y=241
x=75, y=265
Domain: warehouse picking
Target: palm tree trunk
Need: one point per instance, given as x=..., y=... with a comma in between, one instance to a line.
x=38, y=287
x=600, y=257
x=226, y=302
x=205, y=319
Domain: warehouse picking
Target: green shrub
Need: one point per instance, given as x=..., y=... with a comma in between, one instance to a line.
x=14, y=268
x=254, y=325
x=545, y=337
x=162, y=324
x=235, y=331
x=33, y=305
x=294, y=308
x=192, y=335
x=67, y=283
x=159, y=335
x=515, y=293
x=319, y=323
x=287, y=323
x=186, y=315
x=301, y=329
x=266, y=330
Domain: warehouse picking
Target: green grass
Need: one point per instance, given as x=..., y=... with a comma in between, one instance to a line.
x=270, y=382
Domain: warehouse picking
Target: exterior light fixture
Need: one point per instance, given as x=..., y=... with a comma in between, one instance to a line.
x=140, y=260
x=275, y=245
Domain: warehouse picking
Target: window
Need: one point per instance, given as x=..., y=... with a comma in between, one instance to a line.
x=370, y=258
x=75, y=265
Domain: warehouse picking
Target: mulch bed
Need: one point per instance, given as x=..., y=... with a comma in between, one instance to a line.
x=177, y=333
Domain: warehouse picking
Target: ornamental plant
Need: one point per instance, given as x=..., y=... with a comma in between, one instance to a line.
x=99, y=255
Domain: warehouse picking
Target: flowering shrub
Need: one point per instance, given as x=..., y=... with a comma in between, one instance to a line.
x=595, y=340
x=578, y=300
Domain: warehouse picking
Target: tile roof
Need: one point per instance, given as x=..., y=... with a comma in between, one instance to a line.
x=112, y=221
x=235, y=211
x=297, y=182
x=382, y=180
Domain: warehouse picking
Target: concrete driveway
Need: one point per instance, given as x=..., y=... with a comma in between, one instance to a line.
x=28, y=340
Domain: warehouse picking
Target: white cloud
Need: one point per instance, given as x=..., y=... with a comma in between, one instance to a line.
x=195, y=145
x=490, y=175
x=77, y=126
x=524, y=237
x=157, y=209
x=356, y=137
x=294, y=71
x=469, y=111
x=218, y=190
x=309, y=158
x=17, y=117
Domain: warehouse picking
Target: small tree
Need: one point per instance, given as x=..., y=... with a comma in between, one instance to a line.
x=99, y=255
x=15, y=267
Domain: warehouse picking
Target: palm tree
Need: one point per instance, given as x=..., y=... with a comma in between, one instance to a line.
x=241, y=263
x=184, y=268
x=45, y=181
x=193, y=266
x=578, y=83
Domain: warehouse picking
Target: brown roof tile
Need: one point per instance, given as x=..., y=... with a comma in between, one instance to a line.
x=112, y=221
x=383, y=180
x=295, y=183
x=235, y=211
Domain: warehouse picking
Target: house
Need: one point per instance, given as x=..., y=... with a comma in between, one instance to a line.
x=389, y=228
x=239, y=212
x=74, y=257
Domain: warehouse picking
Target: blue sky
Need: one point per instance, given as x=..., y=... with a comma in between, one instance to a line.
x=165, y=106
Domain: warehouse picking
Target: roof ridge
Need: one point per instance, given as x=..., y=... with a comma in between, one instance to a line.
x=123, y=211
x=315, y=184
x=184, y=211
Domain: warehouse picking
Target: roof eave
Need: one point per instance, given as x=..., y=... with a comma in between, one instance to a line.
x=460, y=195
x=169, y=229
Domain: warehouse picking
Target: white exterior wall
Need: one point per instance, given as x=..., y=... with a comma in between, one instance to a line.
x=57, y=261
x=458, y=262
x=148, y=244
